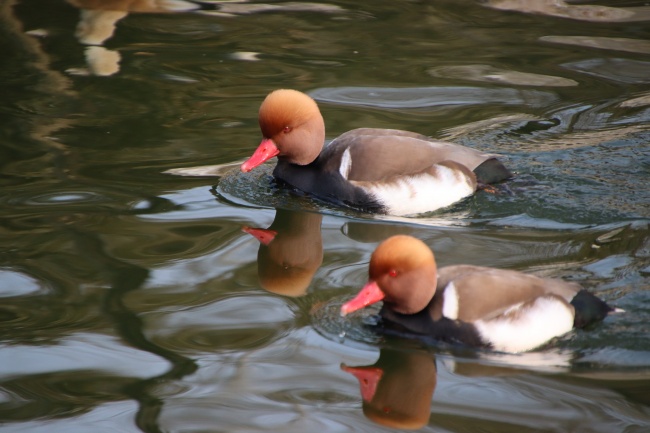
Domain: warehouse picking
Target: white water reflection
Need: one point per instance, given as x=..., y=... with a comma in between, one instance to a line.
x=430, y=97
x=614, y=69
x=563, y=9
x=18, y=284
x=535, y=402
x=110, y=417
x=81, y=351
x=639, y=101
x=604, y=43
x=490, y=74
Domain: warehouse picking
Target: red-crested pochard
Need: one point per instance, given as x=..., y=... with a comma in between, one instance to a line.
x=373, y=170
x=499, y=309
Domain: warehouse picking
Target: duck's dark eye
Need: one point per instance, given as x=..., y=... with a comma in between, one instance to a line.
x=392, y=273
x=286, y=129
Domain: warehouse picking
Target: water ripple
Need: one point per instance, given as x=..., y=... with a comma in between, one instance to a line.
x=354, y=329
x=429, y=97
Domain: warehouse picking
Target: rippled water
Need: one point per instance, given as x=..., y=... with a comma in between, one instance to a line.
x=131, y=299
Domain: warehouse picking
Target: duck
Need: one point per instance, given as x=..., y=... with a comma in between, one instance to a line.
x=496, y=309
x=386, y=171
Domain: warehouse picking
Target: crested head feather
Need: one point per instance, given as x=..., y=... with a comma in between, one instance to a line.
x=285, y=107
x=401, y=252
x=404, y=268
x=292, y=121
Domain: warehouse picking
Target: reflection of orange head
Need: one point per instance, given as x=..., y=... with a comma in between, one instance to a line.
x=403, y=385
x=281, y=278
x=281, y=266
x=287, y=265
x=409, y=414
x=290, y=253
x=291, y=282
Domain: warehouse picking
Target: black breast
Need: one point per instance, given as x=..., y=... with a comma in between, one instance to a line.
x=492, y=171
x=422, y=324
x=322, y=179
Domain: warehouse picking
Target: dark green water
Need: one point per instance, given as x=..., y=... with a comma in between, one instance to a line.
x=131, y=300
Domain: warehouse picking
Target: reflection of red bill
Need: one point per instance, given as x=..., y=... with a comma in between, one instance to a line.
x=370, y=294
x=265, y=151
x=368, y=378
x=265, y=236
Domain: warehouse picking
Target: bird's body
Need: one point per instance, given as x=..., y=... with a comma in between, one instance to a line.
x=375, y=170
x=477, y=306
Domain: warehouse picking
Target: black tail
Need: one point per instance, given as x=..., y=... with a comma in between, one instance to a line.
x=492, y=171
x=205, y=6
x=589, y=308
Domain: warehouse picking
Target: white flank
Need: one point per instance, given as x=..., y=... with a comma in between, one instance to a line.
x=410, y=195
x=450, y=303
x=346, y=163
x=535, y=324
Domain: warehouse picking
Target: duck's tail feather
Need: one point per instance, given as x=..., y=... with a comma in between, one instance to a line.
x=589, y=308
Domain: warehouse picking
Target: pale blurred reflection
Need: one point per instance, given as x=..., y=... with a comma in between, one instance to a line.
x=97, y=23
x=616, y=44
x=99, y=18
x=614, y=69
x=562, y=9
x=487, y=73
x=639, y=101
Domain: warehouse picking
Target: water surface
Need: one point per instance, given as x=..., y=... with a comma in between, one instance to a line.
x=133, y=301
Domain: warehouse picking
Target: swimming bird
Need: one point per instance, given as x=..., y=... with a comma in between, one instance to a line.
x=499, y=309
x=374, y=170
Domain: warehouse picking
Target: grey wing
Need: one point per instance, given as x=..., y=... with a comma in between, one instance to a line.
x=494, y=291
x=376, y=157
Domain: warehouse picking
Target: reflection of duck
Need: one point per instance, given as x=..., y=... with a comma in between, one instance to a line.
x=486, y=307
x=100, y=17
x=291, y=250
x=98, y=21
x=397, y=389
x=379, y=170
